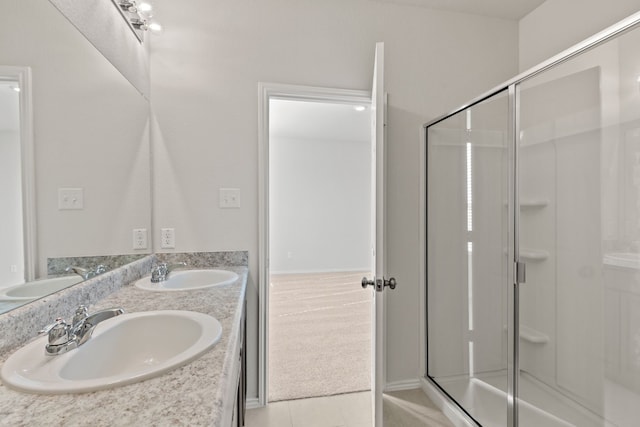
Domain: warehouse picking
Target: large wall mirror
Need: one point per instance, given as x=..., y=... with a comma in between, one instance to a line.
x=90, y=132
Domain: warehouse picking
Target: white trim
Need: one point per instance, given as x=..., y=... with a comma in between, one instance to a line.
x=253, y=403
x=403, y=385
x=422, y=253
x=322, y=271
x=449, y=409
x=265, y=92
x=23, y=76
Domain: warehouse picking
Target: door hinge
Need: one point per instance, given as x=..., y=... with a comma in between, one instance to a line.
x=521, y=272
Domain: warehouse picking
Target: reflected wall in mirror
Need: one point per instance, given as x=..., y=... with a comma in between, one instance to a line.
x=90, y=132
x=12, y=249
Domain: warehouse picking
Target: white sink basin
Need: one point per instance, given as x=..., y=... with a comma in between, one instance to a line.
x=37, y=288
x=123, y=350
x=182, y=280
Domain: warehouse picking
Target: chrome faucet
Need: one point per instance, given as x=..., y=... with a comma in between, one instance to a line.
x=160, y=272
x=86, y=273
x=64, y=337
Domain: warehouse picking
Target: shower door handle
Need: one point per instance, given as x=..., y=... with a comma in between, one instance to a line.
x=379, y=284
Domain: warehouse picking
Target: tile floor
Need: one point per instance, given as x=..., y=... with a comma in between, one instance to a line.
x=408, y=408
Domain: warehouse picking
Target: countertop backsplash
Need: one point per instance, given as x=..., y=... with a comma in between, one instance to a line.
x=22, y=324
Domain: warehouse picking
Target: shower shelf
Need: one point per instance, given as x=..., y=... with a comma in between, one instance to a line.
x=533, y=204
x=531, y=335
x=533, y=254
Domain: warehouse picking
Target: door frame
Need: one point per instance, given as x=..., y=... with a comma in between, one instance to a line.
x=267, y=91
x=22, y=75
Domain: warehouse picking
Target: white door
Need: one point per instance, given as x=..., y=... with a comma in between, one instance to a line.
x=378, y=281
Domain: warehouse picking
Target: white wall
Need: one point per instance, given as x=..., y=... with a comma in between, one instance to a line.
x=205, y=71
x=320, y=198
x=557, y=25
x=11, y=250
x=90, y=131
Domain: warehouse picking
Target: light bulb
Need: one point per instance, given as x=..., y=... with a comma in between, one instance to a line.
x=145, y=7
x=154, y=27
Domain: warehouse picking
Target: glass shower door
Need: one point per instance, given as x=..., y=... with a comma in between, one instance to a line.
x=467, y=208
x=579, y=234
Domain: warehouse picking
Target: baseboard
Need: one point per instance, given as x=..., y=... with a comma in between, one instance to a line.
x=253, y=403
x=402, y=385
x=457, y=417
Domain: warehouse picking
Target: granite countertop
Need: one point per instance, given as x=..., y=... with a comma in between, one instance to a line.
x=200, y=393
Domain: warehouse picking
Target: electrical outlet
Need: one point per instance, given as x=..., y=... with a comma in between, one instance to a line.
x=70, y=198
x=139, y=238
x=167, y=238
x=229, y=198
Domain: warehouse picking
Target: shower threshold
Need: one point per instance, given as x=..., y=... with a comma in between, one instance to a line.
x=484, y=397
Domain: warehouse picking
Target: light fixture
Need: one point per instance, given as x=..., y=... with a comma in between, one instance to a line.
x=138, y=14
x=154, y=27
x=145, y=8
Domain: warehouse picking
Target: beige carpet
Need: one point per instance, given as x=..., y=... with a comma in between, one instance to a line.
x=319, y=335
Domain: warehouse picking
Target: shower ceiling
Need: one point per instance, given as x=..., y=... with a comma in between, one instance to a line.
x=506, y=9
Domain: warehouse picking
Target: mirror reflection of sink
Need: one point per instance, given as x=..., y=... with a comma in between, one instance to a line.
x=182, y=280
x=124, y=349
x=37, y=288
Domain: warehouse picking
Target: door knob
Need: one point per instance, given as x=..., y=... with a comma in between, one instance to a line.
x=379, y=285
x=391, y=283
x=366, y=282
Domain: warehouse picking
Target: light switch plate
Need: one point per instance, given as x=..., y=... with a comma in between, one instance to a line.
x=229, y=198
x=70, y=198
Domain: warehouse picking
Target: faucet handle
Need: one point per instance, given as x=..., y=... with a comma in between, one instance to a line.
x=101, y=268
x=83, y=272
x=80, y=315
x=58, y=332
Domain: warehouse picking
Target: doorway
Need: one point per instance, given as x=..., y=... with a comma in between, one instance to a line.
x=315, y=206
x=16, y=173
x=12, y=252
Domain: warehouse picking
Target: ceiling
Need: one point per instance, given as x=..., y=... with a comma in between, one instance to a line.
x=319, y=121
x=506, y=9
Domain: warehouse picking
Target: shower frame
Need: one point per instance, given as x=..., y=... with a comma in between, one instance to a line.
x=515, y=268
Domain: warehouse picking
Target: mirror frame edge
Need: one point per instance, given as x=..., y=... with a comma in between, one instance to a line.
x=22, y=75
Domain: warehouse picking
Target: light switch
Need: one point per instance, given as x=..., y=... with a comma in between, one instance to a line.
x=229, y=198
x=70, y=198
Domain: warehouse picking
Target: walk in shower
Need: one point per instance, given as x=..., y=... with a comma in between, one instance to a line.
x=533, y=243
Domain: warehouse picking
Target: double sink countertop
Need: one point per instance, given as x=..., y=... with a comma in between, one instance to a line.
x=199, y=393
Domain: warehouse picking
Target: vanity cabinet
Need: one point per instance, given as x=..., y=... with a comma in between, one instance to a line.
x=241, y=395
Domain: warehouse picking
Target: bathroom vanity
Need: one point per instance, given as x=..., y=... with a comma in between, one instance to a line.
x=208, y=391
